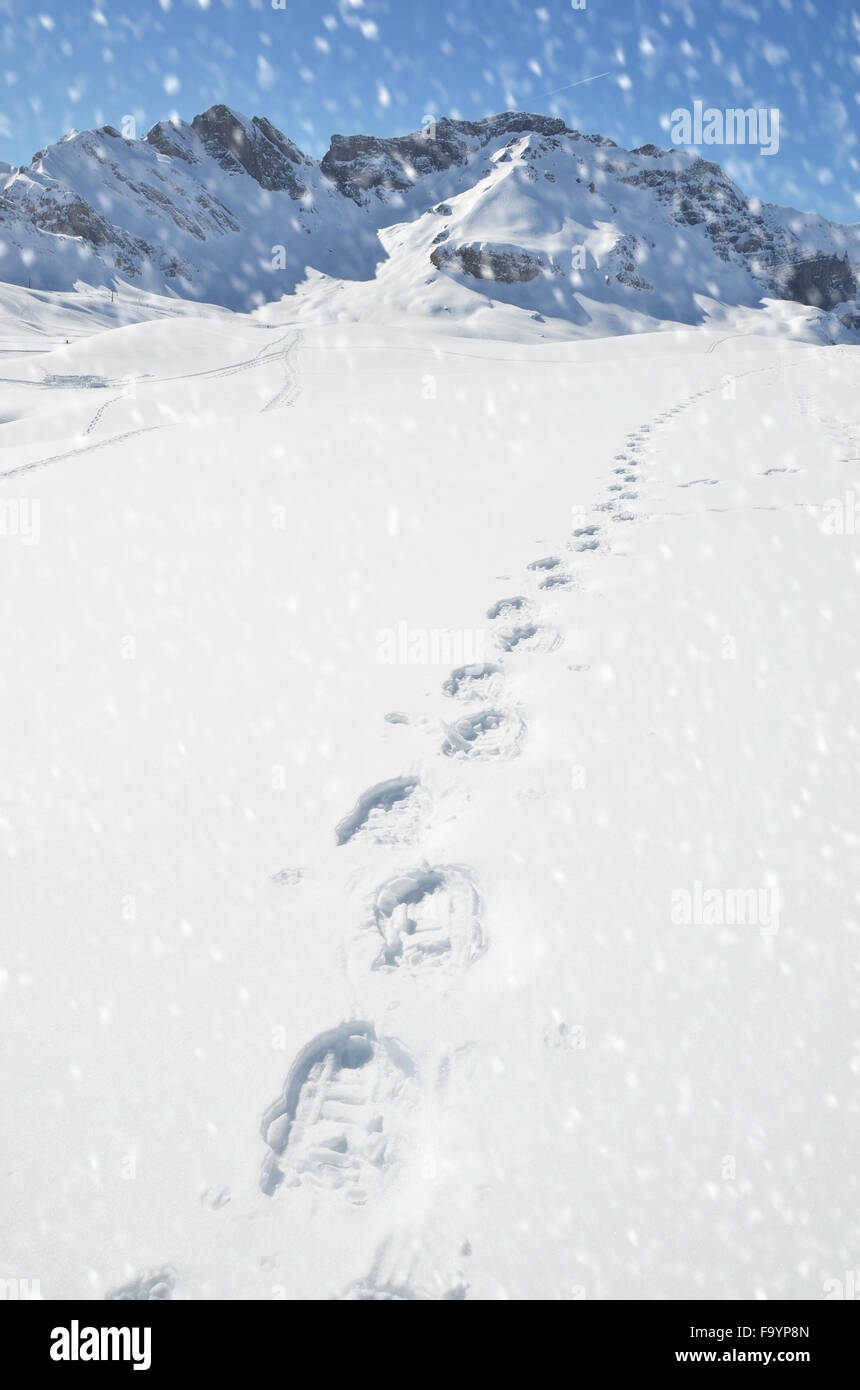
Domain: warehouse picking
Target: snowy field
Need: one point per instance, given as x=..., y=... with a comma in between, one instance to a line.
x=326, y=973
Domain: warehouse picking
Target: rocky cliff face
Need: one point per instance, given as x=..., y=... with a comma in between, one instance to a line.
x=365, y=165
x=825, y=282
x=517, y=206
x=497, y=263
x=256, y=147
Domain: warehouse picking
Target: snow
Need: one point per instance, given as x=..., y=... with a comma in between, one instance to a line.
x=432, y=962
x=616, y=241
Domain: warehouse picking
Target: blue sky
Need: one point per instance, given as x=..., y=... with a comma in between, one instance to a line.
x=383, y=66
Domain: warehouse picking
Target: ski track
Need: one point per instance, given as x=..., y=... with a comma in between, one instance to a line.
x=291, y=390
x=287, y=395
x=76, y=453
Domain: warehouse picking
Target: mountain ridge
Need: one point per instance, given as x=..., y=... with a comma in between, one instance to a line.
x=227, y=209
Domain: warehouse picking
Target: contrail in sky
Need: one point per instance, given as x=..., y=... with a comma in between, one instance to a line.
x=575, y=84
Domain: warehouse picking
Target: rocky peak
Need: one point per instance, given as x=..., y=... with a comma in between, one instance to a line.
x=359, y=165
x=508, y=123
x=173, y=138
x=254, y=146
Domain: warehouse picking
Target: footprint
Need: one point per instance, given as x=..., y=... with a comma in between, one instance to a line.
x=429, y=917
x=215, y=1198
x=484, y=679
x=155, y=1285
x=504, y=607
x=373, y=809
x=587, y=545
x=485, y=734
x=556, y=581
x=586, y=531
x=549, y=562
x=405, y=1271
x=371, y=1291
x=530, y=637
x=340, y=1124
x=289, y=878
x=566, y=1037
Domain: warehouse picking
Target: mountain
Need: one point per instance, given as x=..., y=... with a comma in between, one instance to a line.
x=515, y=209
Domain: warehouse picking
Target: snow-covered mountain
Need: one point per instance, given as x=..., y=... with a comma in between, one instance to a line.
x=515, y=209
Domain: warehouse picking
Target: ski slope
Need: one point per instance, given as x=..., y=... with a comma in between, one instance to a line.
x=329, y=974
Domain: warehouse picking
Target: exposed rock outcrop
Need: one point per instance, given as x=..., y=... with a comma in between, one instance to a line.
x=483, y=262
